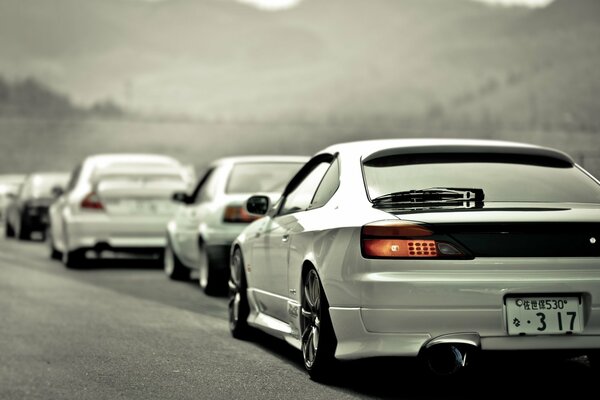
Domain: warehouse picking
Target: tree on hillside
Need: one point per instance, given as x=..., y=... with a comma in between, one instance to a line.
x=31, y=98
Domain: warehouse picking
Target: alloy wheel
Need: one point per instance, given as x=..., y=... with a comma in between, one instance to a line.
x=311, y=317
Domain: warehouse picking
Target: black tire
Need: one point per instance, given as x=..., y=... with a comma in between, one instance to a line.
x=173, y=266
x=238, y=306
x=211, y=279
x=24, y=232
x=73, y=259
x=54, y=253
x=318, y=338
x=9, y=232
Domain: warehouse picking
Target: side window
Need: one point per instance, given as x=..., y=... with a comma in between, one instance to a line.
x=300, y=198
x=201, y=184
x=73, y=179
x=206, y=188
x=328, y=187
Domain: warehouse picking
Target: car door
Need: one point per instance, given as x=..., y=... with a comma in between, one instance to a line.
x=271, y=249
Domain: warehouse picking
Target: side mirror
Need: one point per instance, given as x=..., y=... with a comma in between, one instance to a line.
x=57, y=191
x=181, y=197
x=258, y=205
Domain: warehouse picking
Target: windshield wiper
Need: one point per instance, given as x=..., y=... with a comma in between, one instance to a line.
x=467, y=197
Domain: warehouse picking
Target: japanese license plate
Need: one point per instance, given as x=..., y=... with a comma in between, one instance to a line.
x=544, y=315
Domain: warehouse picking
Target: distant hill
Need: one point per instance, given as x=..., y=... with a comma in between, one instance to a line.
x=31, y=98
x=428, y=63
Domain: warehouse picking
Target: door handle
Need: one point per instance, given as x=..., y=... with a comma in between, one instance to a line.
x=285, y=238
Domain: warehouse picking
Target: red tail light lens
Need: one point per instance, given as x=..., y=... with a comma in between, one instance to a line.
x=92, y=202
x=401, y=239
x=238, y=214
x=399, y=248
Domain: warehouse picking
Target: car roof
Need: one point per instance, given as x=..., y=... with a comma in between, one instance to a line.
x=259, y=158
x=131, y=157
x=49, y=175
x=371, y=149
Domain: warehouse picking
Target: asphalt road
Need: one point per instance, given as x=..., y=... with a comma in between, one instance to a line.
x=122, y=330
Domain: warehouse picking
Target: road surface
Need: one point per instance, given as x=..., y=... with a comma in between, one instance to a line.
x=122, y=330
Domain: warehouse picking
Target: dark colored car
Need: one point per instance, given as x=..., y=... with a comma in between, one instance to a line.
x=27, y=211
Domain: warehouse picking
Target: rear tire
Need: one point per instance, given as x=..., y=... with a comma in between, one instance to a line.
x=54, y=253
x=9, y=232
x=73, y=259
x=24, y=232
x=318, y=338
x=238, y=306
x=172, y=266
x=211, y=279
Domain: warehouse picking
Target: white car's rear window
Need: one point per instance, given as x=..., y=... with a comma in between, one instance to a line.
x=260, y=177
x=500, y=181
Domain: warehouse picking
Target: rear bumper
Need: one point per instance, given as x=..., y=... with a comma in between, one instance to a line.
x=402, y=305
x=356, y=341
x=123, y=234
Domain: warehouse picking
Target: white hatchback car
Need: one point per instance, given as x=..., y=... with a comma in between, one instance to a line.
x=199, y=236
x=115, y=204
x=433, y=248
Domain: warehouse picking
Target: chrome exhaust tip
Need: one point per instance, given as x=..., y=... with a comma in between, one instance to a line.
x=446, y=359
x=447, y=355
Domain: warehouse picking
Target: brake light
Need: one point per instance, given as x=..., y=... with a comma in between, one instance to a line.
x=92, y=202
x=399, y=248
x=401, y=239
x=238, y=214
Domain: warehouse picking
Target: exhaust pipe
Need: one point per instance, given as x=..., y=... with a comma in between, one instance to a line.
x=446, y=359
x=449, y=354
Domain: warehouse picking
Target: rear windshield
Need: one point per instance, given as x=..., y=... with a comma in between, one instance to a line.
x=501, y=180
x=141, y=181
x=261, y=177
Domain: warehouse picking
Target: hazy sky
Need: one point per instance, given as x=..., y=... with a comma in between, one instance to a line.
x=282, y=4
x=279, y=4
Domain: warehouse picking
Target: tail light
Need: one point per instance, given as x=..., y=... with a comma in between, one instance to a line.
x=238, y=214
x=92, y=202
x=402, y=239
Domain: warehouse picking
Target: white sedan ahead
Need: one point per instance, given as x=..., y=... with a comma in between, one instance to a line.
x=424, y=248
x=115, y=204
x=200, y=233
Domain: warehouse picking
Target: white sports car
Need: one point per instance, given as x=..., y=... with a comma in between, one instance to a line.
x=424, y=248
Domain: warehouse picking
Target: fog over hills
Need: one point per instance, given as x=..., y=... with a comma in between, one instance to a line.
x=452, y=60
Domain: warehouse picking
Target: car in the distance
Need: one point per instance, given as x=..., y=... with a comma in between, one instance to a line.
x=434, y=249
x=27, y=212
x=200, y=234
x=115, y=205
